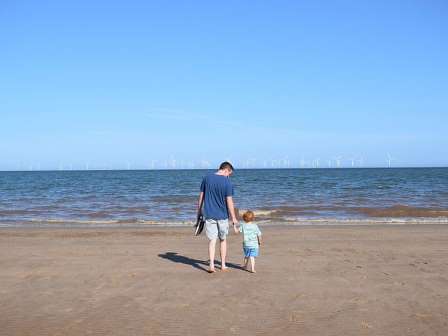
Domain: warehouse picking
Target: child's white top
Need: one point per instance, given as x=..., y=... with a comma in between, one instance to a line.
x=250, y=233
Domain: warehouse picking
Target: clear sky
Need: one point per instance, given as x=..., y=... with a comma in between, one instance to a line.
x=118, y=84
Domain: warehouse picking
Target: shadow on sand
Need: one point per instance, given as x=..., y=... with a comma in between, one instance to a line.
x=196, y=263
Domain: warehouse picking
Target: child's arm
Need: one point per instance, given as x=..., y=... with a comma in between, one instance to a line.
x=239, y=229
x=259, y=236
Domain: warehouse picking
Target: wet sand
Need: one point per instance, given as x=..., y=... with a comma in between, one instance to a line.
x=345, y=280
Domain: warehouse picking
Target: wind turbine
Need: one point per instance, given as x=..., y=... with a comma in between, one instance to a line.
x=338, y=161
x=205, y=164
x=353, y=162
x=389, y=160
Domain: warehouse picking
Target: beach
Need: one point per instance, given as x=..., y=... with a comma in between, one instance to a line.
x=310, y=280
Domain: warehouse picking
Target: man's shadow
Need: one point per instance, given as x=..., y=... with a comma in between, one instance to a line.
x=196, y=263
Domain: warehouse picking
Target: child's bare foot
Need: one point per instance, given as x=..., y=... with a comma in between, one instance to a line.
x=224, y=268
x=253, y=271
x=212, y=270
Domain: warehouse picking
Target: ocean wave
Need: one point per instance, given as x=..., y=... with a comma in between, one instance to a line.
x=72, y=221
x=20, y=212
x=61, y=223
x=257, y=212
x=403, y=211
x=64, y=222
x=365, y=221
x=335, y=212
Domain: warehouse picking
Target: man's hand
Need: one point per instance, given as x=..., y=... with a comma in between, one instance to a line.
x=234, y=224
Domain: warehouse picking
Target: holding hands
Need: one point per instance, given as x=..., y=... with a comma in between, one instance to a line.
x=235, y=223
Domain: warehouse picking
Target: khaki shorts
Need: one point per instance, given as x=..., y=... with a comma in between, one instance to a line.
x=215, y=228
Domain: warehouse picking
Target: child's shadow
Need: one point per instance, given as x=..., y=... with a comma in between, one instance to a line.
x=196, y=263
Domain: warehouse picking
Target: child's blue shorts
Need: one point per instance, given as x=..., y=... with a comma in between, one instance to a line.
x=250, y=252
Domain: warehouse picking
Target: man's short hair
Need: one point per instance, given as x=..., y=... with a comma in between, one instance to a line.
x=226, y=165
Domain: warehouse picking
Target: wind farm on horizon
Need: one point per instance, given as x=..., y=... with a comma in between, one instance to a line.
x=335, y=162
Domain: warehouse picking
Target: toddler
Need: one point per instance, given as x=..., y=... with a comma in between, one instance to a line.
x=251, y=239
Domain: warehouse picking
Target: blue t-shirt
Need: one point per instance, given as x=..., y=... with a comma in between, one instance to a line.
x=216, y=189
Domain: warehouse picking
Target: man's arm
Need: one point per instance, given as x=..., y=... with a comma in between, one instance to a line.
x=231, y=210
x=201, y=197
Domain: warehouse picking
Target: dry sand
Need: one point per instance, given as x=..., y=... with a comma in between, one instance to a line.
x=346, y=280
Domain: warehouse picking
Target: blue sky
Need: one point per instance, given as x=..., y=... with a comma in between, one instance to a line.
x=117, y=84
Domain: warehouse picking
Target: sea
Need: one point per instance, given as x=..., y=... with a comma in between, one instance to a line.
x=277, y=196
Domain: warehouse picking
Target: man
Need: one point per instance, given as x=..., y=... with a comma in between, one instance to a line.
x=216, y=198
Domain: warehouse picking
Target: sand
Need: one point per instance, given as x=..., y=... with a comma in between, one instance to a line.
x=344, y=280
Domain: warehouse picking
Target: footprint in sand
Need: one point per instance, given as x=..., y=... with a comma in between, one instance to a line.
x=296, y=316
x=365, y=325
x=421, y=316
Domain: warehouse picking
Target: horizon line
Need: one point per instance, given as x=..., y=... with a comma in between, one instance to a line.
x=252, y=168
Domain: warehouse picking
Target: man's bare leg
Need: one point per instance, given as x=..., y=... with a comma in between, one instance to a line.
x=223, y=249
x=211, y=254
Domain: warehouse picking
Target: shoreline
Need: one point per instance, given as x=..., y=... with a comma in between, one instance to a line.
x=170, y=224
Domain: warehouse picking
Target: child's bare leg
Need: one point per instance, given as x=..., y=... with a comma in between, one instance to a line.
x=246, y=260
x=252, y=264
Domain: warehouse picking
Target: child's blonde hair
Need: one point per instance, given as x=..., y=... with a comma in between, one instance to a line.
x=248, y=216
